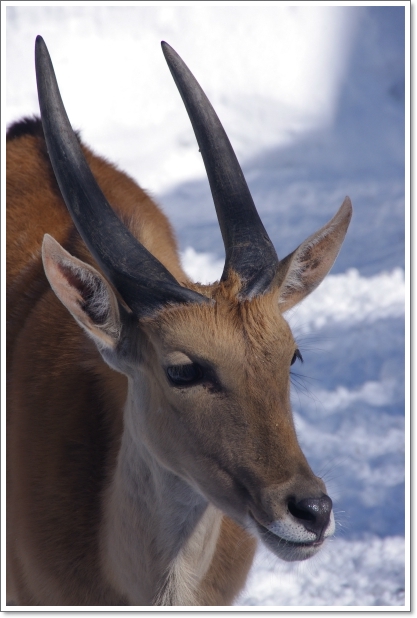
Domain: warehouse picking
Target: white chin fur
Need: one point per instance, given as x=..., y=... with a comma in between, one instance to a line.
x=289, y=539
x=290, y=530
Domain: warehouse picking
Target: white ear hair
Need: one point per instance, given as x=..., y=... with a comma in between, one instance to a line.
x=304, y=269
x=84, y=291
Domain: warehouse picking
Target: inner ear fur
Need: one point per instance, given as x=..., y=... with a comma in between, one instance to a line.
x=84, y=292
x=304, y=269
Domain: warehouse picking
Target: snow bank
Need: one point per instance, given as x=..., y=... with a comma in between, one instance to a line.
x=351, y=298
x=278, y=65
x=358, y=573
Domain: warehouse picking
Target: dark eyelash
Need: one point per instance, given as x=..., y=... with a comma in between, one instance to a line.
x=185, y=375
x=297, y=354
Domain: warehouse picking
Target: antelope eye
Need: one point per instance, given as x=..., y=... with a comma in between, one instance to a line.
x=184, y=375
x=297, y=354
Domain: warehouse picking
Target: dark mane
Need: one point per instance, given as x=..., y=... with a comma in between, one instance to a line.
x=30, y=125
x=26, y=126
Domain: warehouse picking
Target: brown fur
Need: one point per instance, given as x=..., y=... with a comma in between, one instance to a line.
x=64, y=403
x=91, y=452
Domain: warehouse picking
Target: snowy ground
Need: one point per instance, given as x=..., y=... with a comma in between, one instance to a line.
x=313, y=101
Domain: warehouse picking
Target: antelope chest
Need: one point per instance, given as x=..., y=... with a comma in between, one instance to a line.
x=188, y=569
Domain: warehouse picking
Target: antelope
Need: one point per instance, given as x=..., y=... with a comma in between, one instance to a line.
x=150, y=440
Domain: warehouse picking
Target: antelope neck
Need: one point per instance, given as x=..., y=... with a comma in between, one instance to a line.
x=155, y=524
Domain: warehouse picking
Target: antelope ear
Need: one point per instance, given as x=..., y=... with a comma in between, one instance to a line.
x=304, y=269
x=84, y=292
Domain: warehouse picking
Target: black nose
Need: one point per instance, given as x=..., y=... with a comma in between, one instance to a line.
x=313, y=513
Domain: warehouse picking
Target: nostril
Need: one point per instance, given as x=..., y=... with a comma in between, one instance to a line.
x=314, y=513
x=300, y=512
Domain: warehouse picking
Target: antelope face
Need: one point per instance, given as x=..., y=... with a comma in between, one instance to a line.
x=221, y=418
x=211, y=379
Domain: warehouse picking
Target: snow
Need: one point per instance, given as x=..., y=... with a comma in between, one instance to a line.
x=312, y=99
x=125, y=45
x=352, y=573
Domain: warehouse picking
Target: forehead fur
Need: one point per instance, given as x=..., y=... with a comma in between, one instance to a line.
x=229, y=326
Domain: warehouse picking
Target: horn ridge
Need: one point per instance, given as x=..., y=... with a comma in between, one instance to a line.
x=123, y=258
x=249, y=251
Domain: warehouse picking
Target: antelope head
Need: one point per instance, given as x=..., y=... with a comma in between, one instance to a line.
x=208, y=366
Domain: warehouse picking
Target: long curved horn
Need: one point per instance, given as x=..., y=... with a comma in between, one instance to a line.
x=249, y=251
x=143, y=282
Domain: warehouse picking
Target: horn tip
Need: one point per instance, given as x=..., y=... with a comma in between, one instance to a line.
x=39, y=42
x=41, y=50
x=168, y=51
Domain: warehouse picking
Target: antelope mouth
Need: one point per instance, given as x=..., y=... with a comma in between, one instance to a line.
x=288, y=550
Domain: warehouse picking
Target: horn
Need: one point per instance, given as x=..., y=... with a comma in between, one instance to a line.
x=249, y=251
x=143, y=282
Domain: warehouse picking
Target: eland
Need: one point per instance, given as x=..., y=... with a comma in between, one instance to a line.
x=150, y=438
